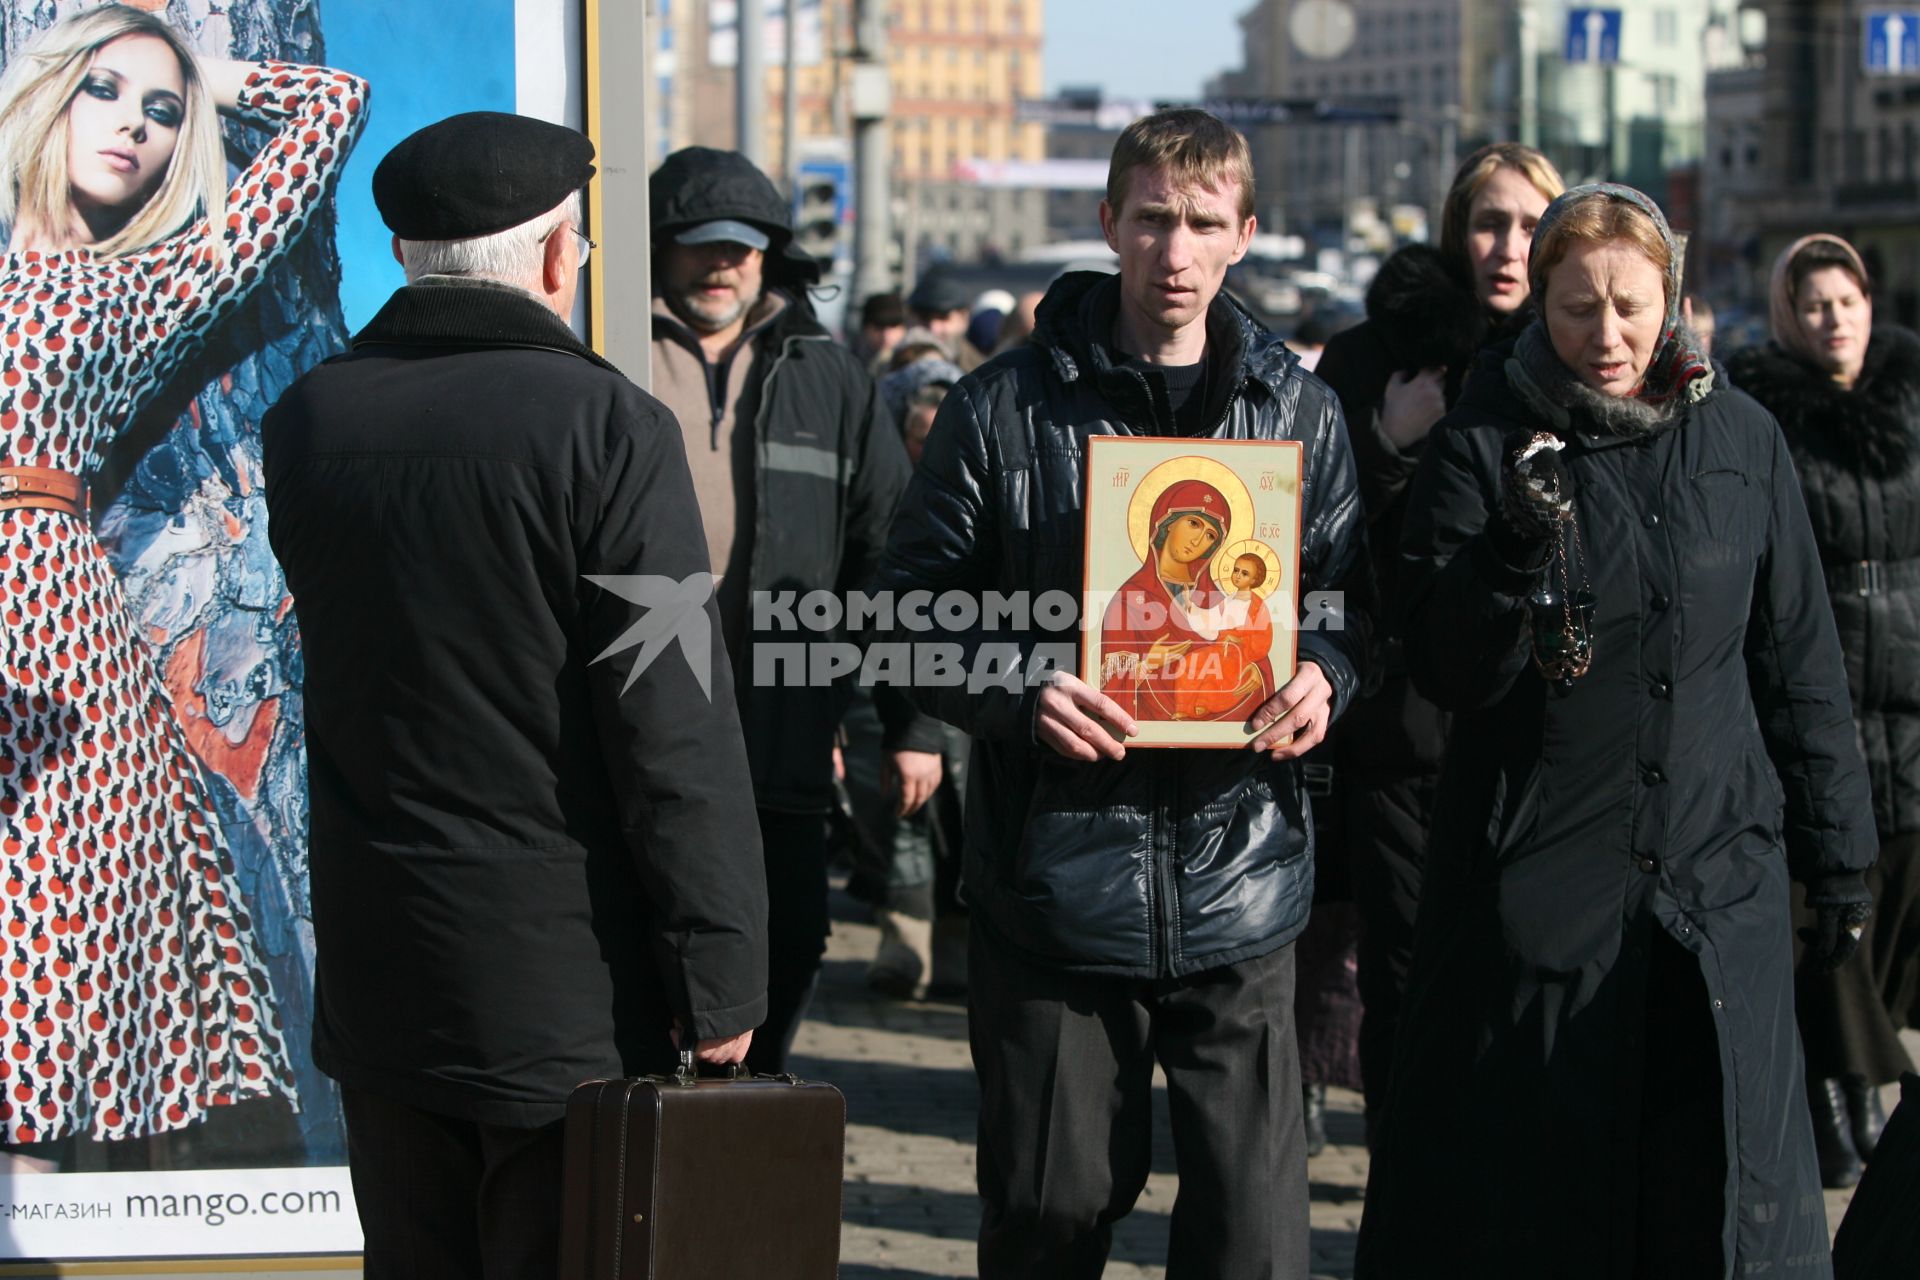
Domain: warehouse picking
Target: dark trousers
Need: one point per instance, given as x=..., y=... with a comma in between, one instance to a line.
x=1066, y=1094
x=1387, y=836
x=448, y=1199
x=1683, y=1163
x=795, y=847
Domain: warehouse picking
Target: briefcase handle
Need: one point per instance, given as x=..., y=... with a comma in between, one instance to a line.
x=687, y=1074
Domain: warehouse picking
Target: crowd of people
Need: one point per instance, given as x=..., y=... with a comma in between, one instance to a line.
x=1583, y=848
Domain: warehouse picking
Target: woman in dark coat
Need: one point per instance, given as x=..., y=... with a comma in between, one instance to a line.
x=1607, y=563
x=1396, y=373
x=1847, y=394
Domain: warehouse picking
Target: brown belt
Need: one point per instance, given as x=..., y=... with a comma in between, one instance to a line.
x=42, y=487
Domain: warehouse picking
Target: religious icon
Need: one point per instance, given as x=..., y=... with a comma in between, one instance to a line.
x=1192, y=579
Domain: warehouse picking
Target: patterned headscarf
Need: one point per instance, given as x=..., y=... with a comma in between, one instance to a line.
x=1788, y=332
x=1639, y=200
x=1677, y=365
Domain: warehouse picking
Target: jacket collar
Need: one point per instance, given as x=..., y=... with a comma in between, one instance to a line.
x=768, y=321
x=1076, y=318
x=459, y=311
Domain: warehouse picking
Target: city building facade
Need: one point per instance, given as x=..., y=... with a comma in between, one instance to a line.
x=1626, y=101
x=1806, y=136
x=958, y=69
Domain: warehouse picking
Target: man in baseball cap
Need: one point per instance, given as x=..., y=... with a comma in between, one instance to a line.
x=798, y=470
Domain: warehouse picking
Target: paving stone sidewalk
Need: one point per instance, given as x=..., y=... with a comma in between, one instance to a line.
x=910, y=1206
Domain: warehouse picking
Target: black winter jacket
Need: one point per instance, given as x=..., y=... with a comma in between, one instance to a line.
x=829, y=471
x=1706, y=752
x=527, y=860
x=1858, y=453
x=1170, y=861
x=1421, y=313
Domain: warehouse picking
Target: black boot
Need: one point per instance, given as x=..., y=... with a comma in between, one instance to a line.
x=1313, y=1109
x=1833, y=1135
x=1865, y=1117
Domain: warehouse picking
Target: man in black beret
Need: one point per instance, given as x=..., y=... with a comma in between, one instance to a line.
x=798, y=471
x=530, y=863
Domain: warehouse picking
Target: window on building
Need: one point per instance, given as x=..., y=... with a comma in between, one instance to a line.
x=1666, y=28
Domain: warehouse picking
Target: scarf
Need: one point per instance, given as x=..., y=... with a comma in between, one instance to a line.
x=1679, y=376
x=1784, y=316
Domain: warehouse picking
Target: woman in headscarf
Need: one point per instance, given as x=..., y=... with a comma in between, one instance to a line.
x=1846, y=392
x=1396, y=373
x=1607, y=562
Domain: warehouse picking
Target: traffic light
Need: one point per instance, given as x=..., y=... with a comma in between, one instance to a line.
x=820, y=212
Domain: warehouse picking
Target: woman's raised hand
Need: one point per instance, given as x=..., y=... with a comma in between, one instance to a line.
x=1413, y=404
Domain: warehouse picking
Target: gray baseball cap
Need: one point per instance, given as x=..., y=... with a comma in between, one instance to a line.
x=727, y=230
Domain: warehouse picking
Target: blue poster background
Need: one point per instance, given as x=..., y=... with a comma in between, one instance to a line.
x=426, y=62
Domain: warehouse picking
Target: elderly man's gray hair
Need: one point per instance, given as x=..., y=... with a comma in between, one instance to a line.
x=512, y=256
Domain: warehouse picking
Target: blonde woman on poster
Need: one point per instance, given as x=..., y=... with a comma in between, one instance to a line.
x=132, y=999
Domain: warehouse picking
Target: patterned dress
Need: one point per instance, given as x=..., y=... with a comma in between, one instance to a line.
x=131, y=995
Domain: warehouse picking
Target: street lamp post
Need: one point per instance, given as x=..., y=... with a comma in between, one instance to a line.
x=750, y=84
x=872, y=154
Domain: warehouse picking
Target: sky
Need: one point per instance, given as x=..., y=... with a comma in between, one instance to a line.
x=1134, y=48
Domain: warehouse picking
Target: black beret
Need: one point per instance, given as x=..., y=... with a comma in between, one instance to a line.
x=938, y=293
x=477, y=173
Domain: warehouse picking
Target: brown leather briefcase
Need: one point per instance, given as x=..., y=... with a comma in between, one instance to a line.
x=678, y=1178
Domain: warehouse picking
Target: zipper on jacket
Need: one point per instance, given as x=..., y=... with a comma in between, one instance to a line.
x=1233, y=398
x=1160, y=894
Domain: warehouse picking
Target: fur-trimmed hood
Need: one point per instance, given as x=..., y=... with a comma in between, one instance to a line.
x=1868, y=428
x=1424, y=309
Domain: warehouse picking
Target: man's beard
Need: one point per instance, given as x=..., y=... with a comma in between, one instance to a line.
x=684, y=305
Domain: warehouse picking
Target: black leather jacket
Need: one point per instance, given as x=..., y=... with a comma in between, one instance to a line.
x=1170, y=861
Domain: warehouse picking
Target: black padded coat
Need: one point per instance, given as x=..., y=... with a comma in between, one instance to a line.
x=1171, y=861
x=1858, y=452
x=1707, y=752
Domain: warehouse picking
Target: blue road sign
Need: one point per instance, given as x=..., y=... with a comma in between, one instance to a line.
x=1891, y=42
x=1593, y=35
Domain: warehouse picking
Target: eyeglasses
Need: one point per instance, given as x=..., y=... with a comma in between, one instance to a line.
x=586, y=246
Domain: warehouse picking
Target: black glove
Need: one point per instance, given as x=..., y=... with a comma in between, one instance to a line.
x=1536, y=490
x=1841, y=905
